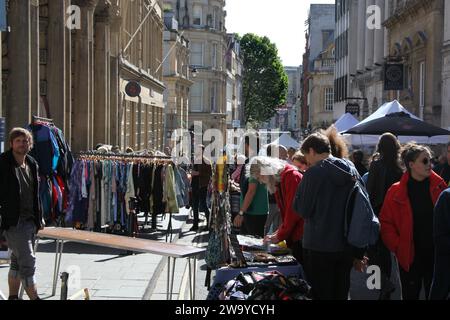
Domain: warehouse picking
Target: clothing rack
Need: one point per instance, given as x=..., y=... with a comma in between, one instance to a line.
x=119, y=155
x=37, y=119
x=84, y=155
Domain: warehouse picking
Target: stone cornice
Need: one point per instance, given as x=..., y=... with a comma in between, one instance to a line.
x=410, y=9
x=108, y=11
x=103, y=16
x=114, y=12
x=140, y=74
x=90, y=4
x=179, y=79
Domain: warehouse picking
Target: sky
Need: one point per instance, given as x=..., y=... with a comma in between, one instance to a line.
x=282, y=21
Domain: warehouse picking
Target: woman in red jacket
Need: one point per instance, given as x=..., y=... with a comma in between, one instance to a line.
x=407, y=220
x=282, y=180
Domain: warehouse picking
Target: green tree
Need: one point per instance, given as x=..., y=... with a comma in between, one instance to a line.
x=265, y=82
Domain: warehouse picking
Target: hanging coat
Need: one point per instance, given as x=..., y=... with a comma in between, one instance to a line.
x=170, y=194
x=180, y=188
x=130, y=187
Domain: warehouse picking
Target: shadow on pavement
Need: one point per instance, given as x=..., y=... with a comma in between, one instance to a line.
x=79, y=248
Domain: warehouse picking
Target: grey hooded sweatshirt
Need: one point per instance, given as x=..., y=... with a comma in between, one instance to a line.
x=321, y=199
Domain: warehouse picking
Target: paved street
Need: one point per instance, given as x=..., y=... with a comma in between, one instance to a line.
x=109, y=106
x=113, y=274
x=181, y=287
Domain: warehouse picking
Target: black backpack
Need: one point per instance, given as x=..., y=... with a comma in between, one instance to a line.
x=361, y=227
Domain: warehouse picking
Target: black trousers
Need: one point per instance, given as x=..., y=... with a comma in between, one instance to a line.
x=328, y=273
x=380, y=256
x=420, y=276
x=199, y=203
x=440, y=289
x=253, y=225
x=297, y=251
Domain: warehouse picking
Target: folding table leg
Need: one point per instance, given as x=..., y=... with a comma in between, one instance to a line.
x=173, y=278
x=168, y=278
x=169, y=228
x=59, y=250
x=190, y=279
x=54, y=267
x=195, y=278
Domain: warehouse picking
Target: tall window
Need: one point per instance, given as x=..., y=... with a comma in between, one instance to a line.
x=196, y=53
x=329, y=99
x=214, y=56
x=196, y=99
x=213, y=97
x=422, y=84
x=408, y=78
x=326, y=34
x=197, y=16
x=215, y=24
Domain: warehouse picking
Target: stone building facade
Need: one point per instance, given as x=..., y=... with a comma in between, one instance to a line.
x=446, y=69
x=321, y=86
x=366, y=77
x=234, y=67
x=293, y=98
x=319, y=35
x=416, y=30
x=142, y=119
x=176, y=77
x=346, y=42
x=73, y=64
x=202, y=22
x=412, y=33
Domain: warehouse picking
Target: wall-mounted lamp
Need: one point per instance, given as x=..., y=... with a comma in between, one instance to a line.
x=194, y=72
x=196, y=69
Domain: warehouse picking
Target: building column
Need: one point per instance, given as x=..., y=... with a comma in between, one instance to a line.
x=57, y=72
x=186, y=108
x=35, y=65
x=387, y=14
x=361, y=35
x=446, y=23
x=115, y=94
x=369, y=40
x=1, y=85
x=68, y=83
x=83, y=82
x=182, y=114
x=379, y=37
x=446, y=68
x=446, y=84
x=433, y=68
x=18, y=92
x=139, y=124
x=101, y=80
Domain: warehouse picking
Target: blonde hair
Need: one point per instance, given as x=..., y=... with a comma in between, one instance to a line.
x=300, y=157
x=339, y=148
x=269, y=167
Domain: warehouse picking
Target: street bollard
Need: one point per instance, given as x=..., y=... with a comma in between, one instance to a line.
x=84, y=292
x=64, y=285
